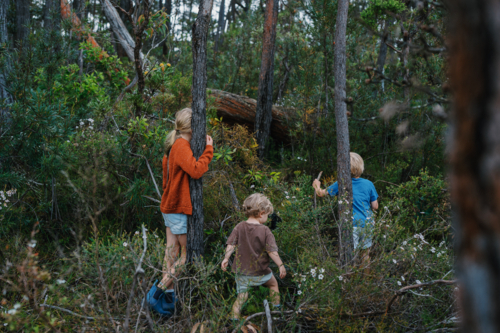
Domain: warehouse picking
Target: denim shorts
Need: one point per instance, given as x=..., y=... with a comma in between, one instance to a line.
x=243, y=282
x=362, y=237
x=176, y=222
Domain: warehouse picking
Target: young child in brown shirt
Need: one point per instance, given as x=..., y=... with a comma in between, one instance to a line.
x=254, y=244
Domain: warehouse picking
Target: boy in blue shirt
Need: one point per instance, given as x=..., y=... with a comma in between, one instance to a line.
x=364, y=198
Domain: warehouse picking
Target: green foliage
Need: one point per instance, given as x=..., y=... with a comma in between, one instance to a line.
x=422, y=203
x=378, y=9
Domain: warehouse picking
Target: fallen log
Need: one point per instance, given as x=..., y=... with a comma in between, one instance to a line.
x=237, y=109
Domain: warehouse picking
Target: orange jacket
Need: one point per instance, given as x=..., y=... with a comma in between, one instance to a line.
x=176, y=198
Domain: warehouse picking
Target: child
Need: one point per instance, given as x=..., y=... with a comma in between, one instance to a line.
x=254, y=244
x=364, y=199
x=179, y=165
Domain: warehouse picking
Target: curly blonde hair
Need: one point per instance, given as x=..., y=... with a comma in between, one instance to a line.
x=256, y=204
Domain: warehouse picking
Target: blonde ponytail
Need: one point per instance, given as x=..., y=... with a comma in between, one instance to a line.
x=182, y=125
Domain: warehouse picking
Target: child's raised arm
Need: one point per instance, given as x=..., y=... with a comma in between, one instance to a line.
x=229, y=250
x=277, y=260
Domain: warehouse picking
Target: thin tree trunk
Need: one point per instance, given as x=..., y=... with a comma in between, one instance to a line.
x=475, y=147
x=263, y=116
x=343, y=150
x=22, y=19
x=198, y=124
x=5, y=96
x=382, y=53
x=168, y=8
x=220, y=26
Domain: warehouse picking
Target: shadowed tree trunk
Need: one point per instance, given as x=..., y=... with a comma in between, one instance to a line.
x=221, y=25
x=198, y=125
x=265, y=97
x=22, y=19
x=475, y=159
x=168, y=8
x=52, y=15
x=5, y=97
x=343, y=150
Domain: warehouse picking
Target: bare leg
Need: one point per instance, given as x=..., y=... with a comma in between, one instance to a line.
x=238, y=304
x=174, y=266
x=274, y=293
x=365, y=260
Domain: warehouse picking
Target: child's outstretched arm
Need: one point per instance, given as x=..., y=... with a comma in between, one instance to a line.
x=229, y=250
x=317, y=188
x=277, y=260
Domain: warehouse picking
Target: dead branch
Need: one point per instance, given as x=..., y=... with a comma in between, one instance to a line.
x=258, y=314
x=150, y=171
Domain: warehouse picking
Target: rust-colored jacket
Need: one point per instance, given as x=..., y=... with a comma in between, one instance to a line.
x=176, y=198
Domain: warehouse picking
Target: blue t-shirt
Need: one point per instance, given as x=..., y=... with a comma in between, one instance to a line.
x=363, y=193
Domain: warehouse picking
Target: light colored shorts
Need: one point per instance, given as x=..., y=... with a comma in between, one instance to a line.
x=176, y=222
x=244, y=282
x=362, y=237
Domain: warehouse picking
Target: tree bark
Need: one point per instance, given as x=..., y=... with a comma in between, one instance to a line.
x=263, y=117
x=120, y=30
x=237, y=109
x=221, y=25
x=5, y=96
x=51, y=15
x=343, y=150
x=79, y=8
x=168, y=8
x=22, y=19
x=198, y=124
x=475, y=164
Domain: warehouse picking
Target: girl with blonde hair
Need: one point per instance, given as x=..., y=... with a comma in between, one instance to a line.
x=179, y=165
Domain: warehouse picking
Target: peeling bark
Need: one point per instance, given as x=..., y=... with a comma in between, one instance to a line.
x=198, y=124
x=265, y=97
x=475, y=150
x=343, y=149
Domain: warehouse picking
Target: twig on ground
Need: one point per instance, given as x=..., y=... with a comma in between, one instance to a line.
x=70, y=312
x=268, y=315
x=258, y=314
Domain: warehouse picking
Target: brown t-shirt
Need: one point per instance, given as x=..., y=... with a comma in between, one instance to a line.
x=253, y=242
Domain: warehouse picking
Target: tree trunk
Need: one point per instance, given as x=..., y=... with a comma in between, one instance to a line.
x=79, y=8
x=343, y=150
x=168, y=8
x=382, y=53
x=265, y=98
x=221, y=25
x=51, y=16
x=120, y=30
x=475, y=164
x=198, y=125
x=5, y=97
x=22, y=19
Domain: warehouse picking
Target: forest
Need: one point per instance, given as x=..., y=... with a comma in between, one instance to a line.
x=89, y=91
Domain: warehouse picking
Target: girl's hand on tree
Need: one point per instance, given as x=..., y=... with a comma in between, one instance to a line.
x=210, y=141
x=224, y=264
x=282, y=271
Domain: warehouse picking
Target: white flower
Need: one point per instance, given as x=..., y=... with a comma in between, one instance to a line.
x=422, y=212
x=418, y=282
x=17, y=306
x=341, y=278
x=293, y=197
x=32, y=243
x=340, y=202
x=60, y=281
x=441, y=244
x=91, y=120
x=433, y=250
x=287, y=197
x=300, y=311
x=439, y=255
x=299, y=285
x=252, y=186
x=320, y=276
x=137, y=232
x=313, y=274
x=402, y=249
x=12, y=311
x=286, y=192
x=385, y=236
x=402, y=278
x=299, y=292
x=321, y=270
x=313, y=270
x=123, y=258
x=394, y=261
x=399, y=283
x=91, y=127
x=125, y=244
x=414, y=249
x=386, y=208
x=404, y=243
x=303, y=278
